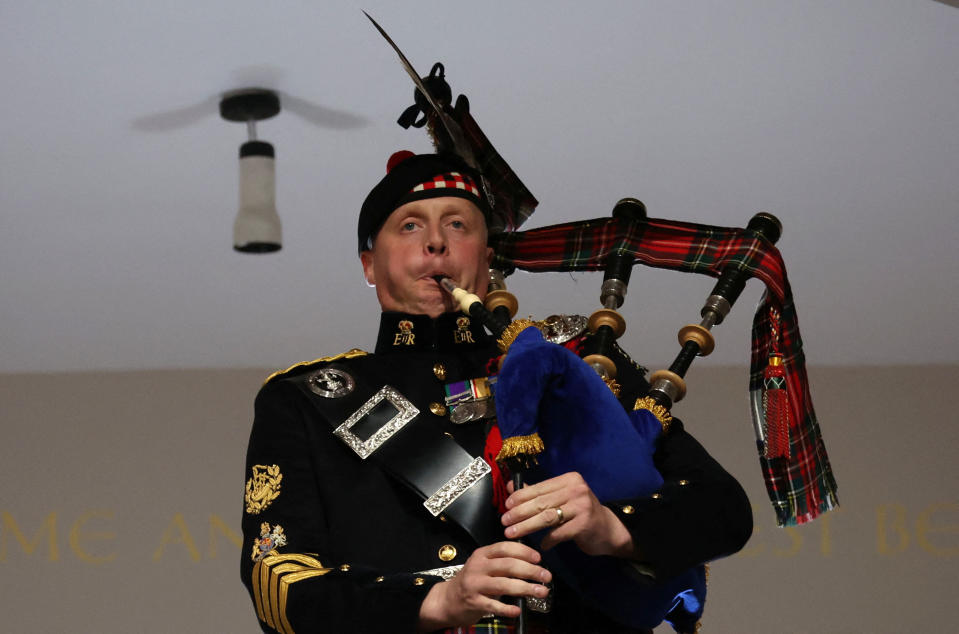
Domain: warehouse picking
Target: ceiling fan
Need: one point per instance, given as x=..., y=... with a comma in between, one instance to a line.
x=317, y=114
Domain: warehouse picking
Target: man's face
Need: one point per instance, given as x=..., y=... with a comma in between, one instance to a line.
x=434, y=236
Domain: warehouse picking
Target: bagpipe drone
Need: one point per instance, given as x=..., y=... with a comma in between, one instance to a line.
x=558, y=413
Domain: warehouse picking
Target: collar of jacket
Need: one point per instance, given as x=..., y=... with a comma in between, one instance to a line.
x=450, y=332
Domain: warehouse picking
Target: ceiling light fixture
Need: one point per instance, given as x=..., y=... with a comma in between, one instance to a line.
x=257, y=225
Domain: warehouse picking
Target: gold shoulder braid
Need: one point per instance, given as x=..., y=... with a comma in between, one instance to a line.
x=351, y=354
x=649, y=404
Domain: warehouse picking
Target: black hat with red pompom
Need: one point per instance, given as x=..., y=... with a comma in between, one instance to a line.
x=412, y=177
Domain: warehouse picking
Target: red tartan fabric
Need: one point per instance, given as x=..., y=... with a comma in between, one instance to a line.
x=800, y=487
x=451, y=180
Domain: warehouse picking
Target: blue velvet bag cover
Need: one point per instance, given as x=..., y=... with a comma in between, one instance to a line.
x=544, y=389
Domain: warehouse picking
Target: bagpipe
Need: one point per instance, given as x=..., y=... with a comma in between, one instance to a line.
x=559, y=413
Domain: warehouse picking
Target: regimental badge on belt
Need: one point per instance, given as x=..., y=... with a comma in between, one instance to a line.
x=331, y=383
x=450, y=480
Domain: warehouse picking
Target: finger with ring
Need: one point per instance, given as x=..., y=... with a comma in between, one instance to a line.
x=559, y=515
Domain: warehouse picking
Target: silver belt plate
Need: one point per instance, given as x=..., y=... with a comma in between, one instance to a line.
x=457, y=486
x=406, y=412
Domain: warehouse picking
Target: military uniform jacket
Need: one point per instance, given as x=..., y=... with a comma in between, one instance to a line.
x=335, y=542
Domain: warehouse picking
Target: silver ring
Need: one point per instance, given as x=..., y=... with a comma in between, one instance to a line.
x=559, y=515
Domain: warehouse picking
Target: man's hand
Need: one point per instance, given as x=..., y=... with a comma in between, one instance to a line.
x=501, y=569
x=594, y=528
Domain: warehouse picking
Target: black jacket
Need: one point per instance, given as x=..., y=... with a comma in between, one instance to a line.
x=359, y=544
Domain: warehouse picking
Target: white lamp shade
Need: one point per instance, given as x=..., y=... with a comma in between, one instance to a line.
x=257, y=227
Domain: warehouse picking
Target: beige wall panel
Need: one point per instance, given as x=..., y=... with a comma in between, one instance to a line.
x=122, y=494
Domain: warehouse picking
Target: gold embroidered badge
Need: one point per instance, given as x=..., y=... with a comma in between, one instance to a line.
x=262, y=488
x=463, y=334
x=405, y=336
x=268, y=541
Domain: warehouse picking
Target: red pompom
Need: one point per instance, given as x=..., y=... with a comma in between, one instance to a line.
x=397, y=158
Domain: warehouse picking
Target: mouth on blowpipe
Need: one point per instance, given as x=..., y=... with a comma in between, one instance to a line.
x=472, y=305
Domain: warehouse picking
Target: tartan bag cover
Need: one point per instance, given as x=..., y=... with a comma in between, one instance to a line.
x=800, y=486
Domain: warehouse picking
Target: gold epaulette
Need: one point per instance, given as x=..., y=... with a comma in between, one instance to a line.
x=351, y=354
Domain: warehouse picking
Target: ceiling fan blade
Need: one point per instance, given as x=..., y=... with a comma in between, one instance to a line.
x=322, y=116
x=176, y=118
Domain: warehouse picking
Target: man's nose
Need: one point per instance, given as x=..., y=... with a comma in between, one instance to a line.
x=436, y=242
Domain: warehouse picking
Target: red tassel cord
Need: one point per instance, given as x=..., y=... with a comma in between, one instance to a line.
x=776, y=411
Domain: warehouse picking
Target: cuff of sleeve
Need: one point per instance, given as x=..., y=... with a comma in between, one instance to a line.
x=400, y=598
x=662, y=531
x=386, y=603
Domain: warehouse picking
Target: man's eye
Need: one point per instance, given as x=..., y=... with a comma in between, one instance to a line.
x=409, y=226
x=457, y=224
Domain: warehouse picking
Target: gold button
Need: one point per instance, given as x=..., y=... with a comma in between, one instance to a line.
x=345, y=567
x=418, y=581
x=656, y=496
x=438, y=408
x=447, y=553
x=380, y=579
x=683, y=483
x=443, y=518
x=439, y=370
x=628, y=510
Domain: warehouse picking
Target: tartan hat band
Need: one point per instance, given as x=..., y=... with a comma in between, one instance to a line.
x=415, y=177
x=450, y=184
x=452, y=180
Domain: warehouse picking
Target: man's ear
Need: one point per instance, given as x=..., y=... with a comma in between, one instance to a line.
x=366, y=259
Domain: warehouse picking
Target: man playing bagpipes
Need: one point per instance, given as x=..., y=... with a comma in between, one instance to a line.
x=379, y=495
x=374, y=502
